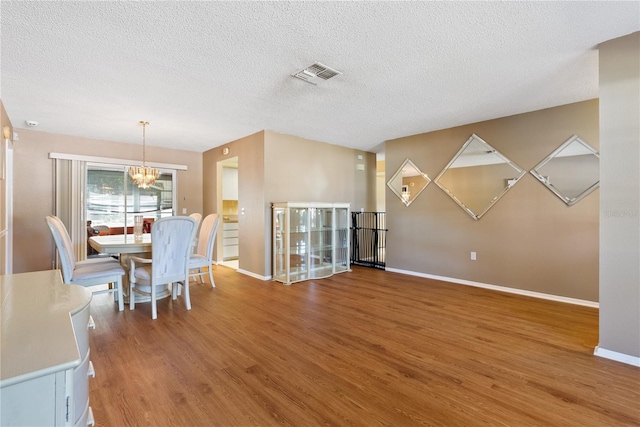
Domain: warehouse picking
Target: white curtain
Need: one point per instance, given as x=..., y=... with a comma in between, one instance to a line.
x=69, y=201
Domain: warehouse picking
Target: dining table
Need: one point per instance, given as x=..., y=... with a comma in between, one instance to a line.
x=124, y=246
x=118, y=244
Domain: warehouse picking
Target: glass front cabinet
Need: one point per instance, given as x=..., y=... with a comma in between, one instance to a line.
x=310, y=240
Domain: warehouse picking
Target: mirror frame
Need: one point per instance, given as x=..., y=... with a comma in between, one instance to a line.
x=545, y=180
x=399, y=192
x=510, y=182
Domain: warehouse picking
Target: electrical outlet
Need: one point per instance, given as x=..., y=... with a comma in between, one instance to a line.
x=184, y=211
x=473, y=256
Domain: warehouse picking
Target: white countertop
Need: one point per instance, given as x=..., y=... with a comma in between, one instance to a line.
x=37, y=336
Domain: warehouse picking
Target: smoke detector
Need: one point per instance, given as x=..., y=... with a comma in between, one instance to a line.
x=31, y=123
x=316, y=73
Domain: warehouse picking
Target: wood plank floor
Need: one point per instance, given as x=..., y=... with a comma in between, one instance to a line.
x=363, y=348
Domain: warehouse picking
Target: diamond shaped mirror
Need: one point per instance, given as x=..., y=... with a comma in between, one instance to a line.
x=408, y=182
x=478, y=176
x=572, y=171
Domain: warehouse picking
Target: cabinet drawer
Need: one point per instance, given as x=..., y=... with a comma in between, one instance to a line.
x=230, y=251
x=230, y=233
x=80, y=321
x=231, y=241
x=86, y=418
x=229, y=226
x=81, y=387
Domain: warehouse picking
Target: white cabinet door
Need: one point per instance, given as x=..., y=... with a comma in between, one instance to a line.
x=38, y=402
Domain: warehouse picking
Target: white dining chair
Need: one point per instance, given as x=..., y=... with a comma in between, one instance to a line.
x=198, y=217
x=171, y=242
x=203, y=256
x=93, y=272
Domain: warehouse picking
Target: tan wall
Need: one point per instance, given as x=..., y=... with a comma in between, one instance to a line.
x=380, y=187
x=302, y=170
x=529, y=239
x=4, y=121
x=33, y=186
x=620, y=207
x=273, y=167
x=251, y=224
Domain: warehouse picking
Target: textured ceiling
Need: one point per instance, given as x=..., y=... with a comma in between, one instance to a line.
x=206, y=73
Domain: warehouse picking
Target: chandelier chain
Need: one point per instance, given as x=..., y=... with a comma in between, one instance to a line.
x=144, y=142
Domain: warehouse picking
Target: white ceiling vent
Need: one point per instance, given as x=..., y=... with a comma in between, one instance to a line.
x=316, y=73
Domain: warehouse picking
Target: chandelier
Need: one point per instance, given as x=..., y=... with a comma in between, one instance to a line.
x=143, y=176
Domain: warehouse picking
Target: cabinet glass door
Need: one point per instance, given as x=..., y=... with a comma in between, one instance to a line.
x=342, y=239
x=279, y=245
x=321, y=242
x=299, y=244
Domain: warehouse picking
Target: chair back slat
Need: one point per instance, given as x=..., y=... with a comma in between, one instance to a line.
x=171, y=240
x=64, y=246
x=207, y=235
x=197, y=216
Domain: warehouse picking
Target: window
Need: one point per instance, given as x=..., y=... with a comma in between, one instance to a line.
x=112, y=199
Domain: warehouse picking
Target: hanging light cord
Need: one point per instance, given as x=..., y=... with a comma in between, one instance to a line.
x=144, y=142
x=142, y=175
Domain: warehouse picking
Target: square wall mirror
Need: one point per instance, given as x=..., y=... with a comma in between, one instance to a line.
x=408, y=182
x=478, y=176
x=571, y=172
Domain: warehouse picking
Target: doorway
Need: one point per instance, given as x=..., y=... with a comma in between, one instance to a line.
x=227, y=240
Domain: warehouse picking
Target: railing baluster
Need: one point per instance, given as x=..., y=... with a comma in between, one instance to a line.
x=368, y=239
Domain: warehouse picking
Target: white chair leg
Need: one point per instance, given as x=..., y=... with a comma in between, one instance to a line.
x=187, y=300
x=132, y=299
x=154, y=308
x=213, y=285
x=119, y=294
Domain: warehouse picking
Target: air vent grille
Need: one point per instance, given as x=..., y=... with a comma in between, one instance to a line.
x=315, y=73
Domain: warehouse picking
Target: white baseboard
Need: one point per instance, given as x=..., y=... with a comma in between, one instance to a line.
x=254, y=275
x=500, y=288
x=248, y=273
x=618, y=357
